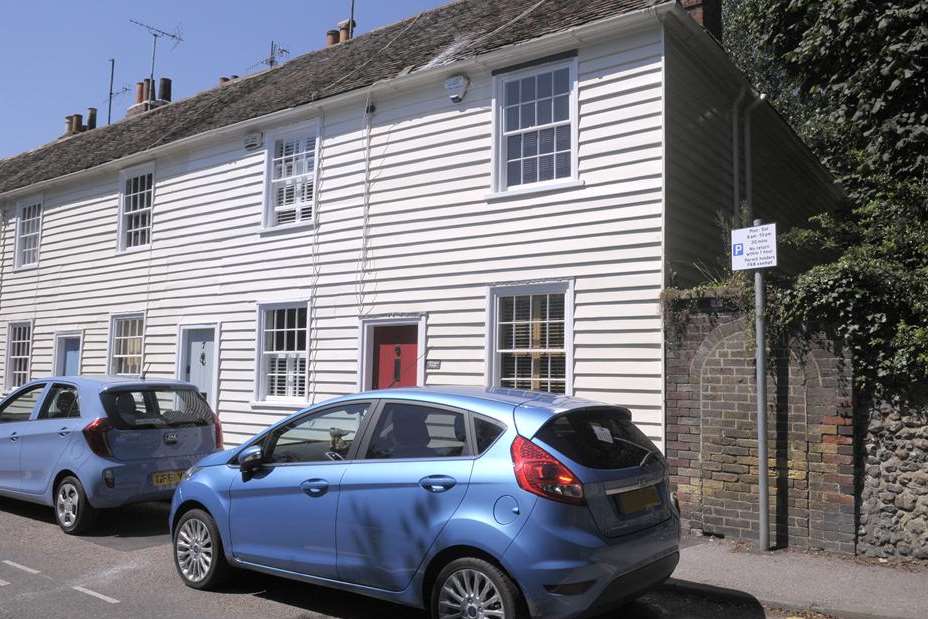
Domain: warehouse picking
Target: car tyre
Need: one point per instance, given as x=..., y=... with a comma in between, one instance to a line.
x=473, y=582
x=73, y=512
x=198, y=553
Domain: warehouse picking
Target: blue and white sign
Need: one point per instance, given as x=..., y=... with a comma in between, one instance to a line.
x=754, y=248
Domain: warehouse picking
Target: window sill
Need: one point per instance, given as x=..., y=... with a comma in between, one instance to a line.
x=133, y=250
x=269, y=230
x=291, y=405
x=26, y=267
x=534, y=190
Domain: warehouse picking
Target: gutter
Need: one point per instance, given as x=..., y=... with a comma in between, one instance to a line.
x=736, y=154
x=748, y=164
x=523, y=50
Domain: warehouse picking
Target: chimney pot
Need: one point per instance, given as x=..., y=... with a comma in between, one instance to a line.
x=164, y=89
x=68, y=124
x=223, y=80
x=344, y=30
x=91, y=118
x=147, y=92
x=706, y=12
x=332, y=38
x=139, y=92
x=77, y=123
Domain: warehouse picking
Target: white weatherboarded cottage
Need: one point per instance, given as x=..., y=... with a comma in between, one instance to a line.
x=346, y=221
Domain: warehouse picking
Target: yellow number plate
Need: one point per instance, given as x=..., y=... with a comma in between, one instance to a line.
x=167, y=479
x=639, y=500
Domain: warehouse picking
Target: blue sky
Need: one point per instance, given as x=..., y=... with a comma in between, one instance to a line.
x=54, y=55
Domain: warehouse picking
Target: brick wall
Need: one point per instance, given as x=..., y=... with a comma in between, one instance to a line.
x=711, y=432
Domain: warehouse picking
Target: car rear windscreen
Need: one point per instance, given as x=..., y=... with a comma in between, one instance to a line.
x=158, y=407
x=598, y=438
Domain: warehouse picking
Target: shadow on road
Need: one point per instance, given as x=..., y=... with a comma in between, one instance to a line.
x=141, y=520
x=681, y=599
x=128, y=528
x=674, y=600
x=319, y=602
x=32, y=511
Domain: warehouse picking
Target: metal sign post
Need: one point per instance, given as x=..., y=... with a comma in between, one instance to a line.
x=755, y=249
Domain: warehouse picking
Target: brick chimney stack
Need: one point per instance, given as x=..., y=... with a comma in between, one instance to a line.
x=706, y=12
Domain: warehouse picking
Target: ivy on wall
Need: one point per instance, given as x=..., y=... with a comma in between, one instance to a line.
x=851, y=76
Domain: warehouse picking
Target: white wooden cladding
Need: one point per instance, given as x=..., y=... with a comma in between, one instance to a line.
x=434, y=244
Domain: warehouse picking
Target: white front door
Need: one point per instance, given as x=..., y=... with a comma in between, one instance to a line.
x=198, y=360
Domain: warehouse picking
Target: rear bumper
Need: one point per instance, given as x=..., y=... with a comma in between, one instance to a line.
x=132, y=481
x=567, y=570
x=633, y=584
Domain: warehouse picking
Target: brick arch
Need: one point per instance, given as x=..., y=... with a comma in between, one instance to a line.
x=712, y=341
x=712, y=433
x=740, y=325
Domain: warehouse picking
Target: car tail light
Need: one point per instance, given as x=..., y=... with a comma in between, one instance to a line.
x=540, y=473
x=95, y=434
x=218, y=425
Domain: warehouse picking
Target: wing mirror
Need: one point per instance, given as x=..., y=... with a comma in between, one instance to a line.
x=250, y=458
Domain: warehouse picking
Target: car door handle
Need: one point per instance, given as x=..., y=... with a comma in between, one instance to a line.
x=315, y=487
x=64, y=432
x=14, y=437
x=438, y=483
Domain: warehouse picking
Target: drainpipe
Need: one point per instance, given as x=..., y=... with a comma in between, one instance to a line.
x=748, y=166
x=736, y=155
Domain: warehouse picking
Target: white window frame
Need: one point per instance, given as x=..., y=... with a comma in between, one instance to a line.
x=111, y=348
x=500, y=186
x=7, y=373
x=124, y=175
x=306, y=129
x=565, y=287
x=260, y=392
x=21, y=207
x=366, y=328
x=56, y=353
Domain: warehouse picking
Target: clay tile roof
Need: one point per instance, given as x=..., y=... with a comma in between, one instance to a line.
x=449, y=33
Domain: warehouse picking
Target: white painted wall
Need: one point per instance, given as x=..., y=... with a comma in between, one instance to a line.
x=435, y=245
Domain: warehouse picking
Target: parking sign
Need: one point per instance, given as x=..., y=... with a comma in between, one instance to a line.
x=754, y=247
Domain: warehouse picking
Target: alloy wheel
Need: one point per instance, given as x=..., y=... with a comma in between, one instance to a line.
x=470, y=594
x=66, y=504
x=194, y=548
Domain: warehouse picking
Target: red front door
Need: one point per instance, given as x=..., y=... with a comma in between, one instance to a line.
x=396, y=352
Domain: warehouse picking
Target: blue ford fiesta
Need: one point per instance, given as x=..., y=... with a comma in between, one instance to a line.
x=82, y=444
x=470, y=503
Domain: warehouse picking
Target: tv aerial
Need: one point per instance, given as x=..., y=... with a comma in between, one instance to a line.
x=277, y=52
x=157, y=33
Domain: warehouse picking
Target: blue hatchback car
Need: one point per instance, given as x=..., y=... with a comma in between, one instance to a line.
x=81, y=444
x=468, y=502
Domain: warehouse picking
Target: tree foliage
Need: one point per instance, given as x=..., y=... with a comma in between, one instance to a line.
x=852, y=78
x=869, y=61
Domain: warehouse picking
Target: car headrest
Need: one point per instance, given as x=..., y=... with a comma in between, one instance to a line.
x=460, y=433
x=125, y=406
x=409, y=428
x=65, y=402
